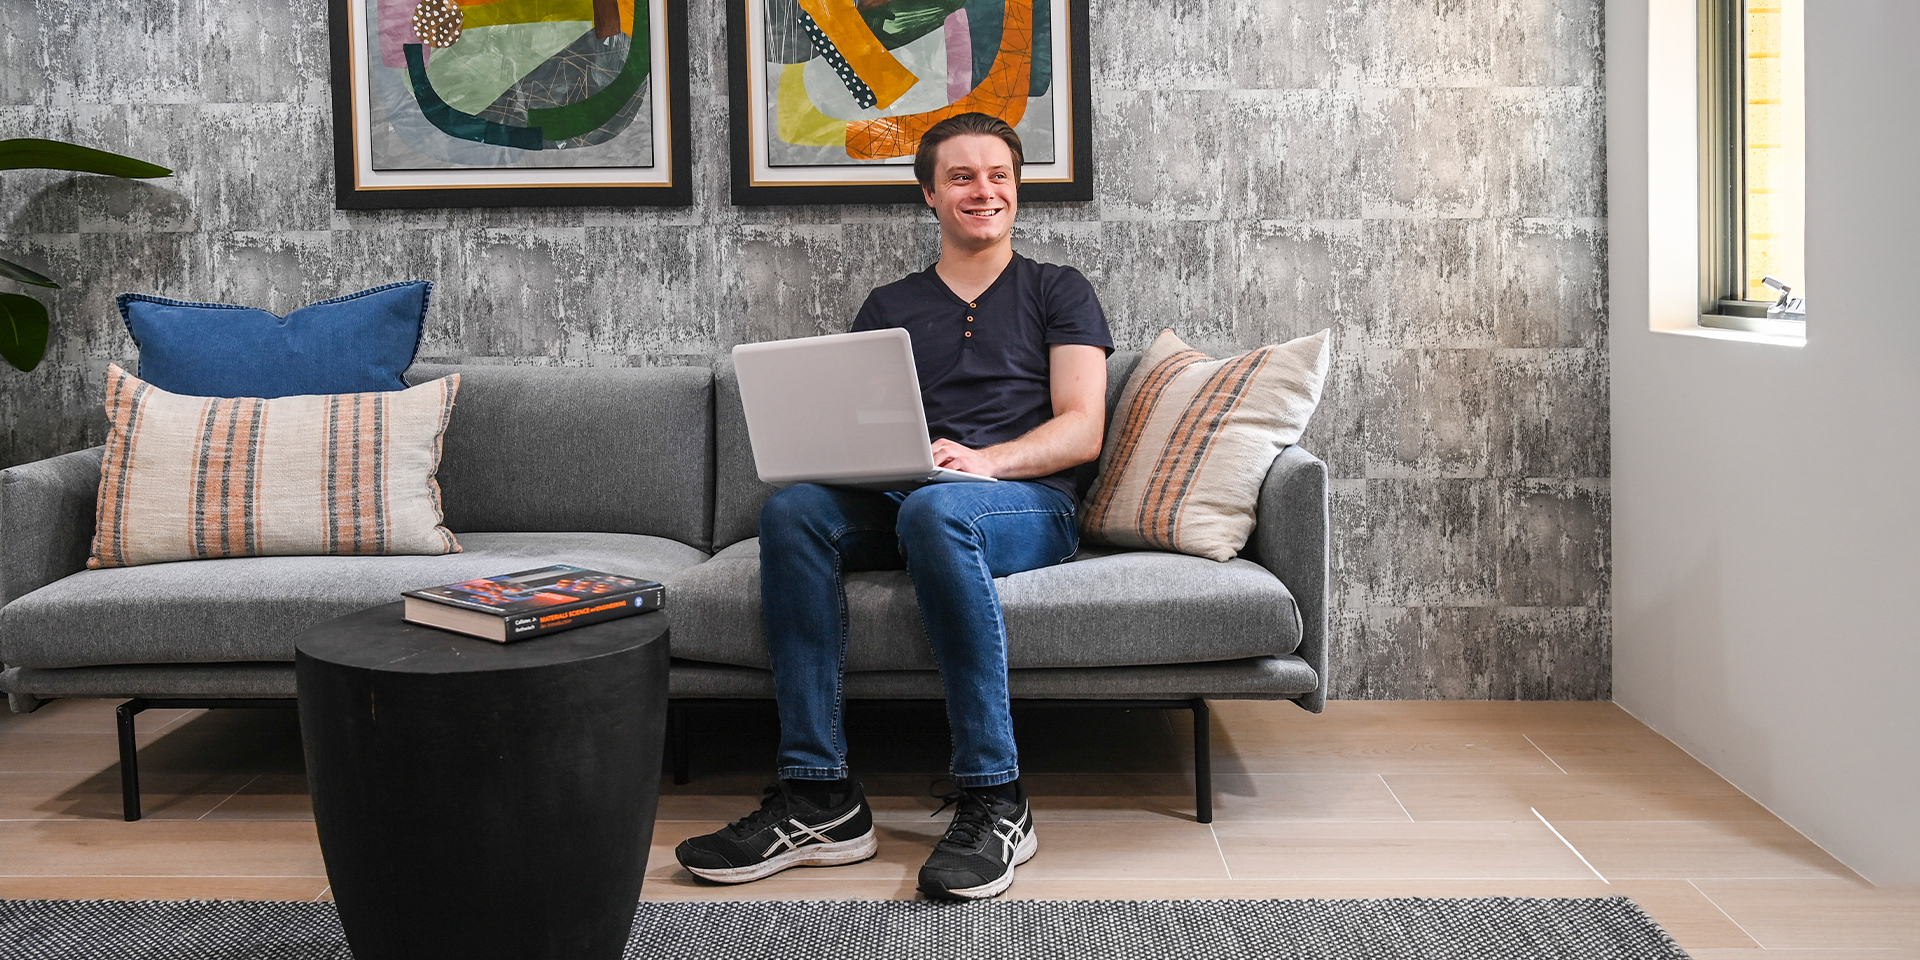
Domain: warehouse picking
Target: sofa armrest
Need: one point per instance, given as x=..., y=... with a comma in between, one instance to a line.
x=46, y=520
x=1290, y=539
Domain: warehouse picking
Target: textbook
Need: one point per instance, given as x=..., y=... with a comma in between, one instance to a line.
x=532, y=603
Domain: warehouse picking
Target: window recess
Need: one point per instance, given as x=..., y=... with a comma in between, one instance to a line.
x=1753, y=166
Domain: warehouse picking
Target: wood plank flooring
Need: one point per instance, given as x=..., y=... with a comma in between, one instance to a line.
x=1371, y=799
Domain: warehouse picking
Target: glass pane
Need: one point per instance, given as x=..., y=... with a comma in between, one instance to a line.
x=1774, y=81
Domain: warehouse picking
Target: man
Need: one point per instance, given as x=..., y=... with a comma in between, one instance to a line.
x=1012, y=362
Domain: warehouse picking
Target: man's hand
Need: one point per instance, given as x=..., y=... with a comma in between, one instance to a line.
x=953, y=456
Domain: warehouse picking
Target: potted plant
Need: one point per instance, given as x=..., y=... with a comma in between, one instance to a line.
x=24, y=326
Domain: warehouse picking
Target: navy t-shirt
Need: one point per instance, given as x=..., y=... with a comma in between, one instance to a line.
x=983, y=363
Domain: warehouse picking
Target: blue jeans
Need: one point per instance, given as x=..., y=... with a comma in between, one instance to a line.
x=953, y=539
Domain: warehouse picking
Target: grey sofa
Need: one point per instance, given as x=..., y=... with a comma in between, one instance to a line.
x=648, y=472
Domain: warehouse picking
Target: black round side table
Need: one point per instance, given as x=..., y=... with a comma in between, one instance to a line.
x=477, y=799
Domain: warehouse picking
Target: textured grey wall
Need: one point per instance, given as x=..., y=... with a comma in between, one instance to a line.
x=1424, y=176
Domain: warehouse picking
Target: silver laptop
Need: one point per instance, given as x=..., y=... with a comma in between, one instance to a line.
x=841, y=409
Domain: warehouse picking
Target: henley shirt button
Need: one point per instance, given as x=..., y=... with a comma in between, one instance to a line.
x=969, y=333
x=969, y=319
x=972, y=304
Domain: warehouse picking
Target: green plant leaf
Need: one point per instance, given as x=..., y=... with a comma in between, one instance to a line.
x=23, y=330
x=54, y=155
x=14, y=271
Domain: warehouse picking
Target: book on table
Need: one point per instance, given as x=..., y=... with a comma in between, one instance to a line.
x=532, y=603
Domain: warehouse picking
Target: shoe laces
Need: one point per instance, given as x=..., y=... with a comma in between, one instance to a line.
x=776, y=804
x=972, y=819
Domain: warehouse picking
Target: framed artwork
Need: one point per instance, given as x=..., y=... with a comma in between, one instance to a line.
x=830, y=97
x=495, y=103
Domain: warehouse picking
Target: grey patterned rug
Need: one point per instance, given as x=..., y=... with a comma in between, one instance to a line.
x=1480, y=929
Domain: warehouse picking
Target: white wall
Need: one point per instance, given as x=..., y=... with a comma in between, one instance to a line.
x=1766, y=499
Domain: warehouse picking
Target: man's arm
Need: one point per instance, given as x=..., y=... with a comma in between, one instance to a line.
x=1077, y=378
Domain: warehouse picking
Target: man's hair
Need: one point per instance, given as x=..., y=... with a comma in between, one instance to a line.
x=960, y=126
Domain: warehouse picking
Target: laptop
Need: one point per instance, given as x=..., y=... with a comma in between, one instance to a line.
x=842, y=409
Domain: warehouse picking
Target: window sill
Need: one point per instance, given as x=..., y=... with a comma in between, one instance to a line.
x=1710, y=332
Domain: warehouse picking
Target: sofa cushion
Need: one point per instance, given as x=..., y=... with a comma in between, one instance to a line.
x=1193, y=438
x=611, y=450
x=1103, y=608
x=358, y=343
x=191, y=478
x=250, y=608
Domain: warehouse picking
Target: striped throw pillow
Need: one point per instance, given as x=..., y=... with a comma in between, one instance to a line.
x=1192, y=440
x=187, y=478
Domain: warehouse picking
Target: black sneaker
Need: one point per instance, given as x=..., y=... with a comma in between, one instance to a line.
x=787, y=831
x=986, y=840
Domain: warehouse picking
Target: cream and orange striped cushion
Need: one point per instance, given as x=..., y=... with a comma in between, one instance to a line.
x=1192, y=439
x=187, y=478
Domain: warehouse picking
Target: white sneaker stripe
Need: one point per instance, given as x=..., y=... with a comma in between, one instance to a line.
x=802, y=831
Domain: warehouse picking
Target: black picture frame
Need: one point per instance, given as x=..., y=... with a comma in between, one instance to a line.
x=358, y=187
x=1075, y=185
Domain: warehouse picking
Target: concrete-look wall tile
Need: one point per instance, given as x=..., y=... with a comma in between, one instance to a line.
x=39, y=201
x=255, y=166
x=1335, y=432
x=1294, y=154
x=265, y=52
x=1353, y=539
x=1424, y=153
x=1374, y=663
x=1550, y=43
x=1549, y=413
x=1428, y=282
x=1552, y=287
x=643, y=292
x=1424, y=543
x=878, y=252
x=1292, y=278
x=784, y=281
x=1167, y=154
x=707, y=44
x=1484, y=43
x=1070, y=243
x=1559, y=653
x=517, y=293
x=1548, y=151
x=1163, y=275
x=122, y=51
x=55, y=407
x=87, y=322
x=1430, y=413
x=165, y=134
x=279, y=271
x=1554, y=542
x=1474, y=653
x=1156, y=46
x=368, y=258
x=27, y=78
x=1309, y=43
x=1444, y=653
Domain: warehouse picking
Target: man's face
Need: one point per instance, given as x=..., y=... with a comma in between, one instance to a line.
x=973, y=190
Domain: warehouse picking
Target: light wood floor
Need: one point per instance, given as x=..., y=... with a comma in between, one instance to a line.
x=1368, y=800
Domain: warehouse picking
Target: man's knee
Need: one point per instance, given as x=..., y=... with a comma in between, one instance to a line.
x=794, y=509
x=936, y=511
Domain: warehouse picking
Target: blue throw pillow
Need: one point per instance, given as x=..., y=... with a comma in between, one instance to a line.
x=359, y=343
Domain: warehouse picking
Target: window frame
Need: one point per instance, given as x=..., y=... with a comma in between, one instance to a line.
x=1723, y=184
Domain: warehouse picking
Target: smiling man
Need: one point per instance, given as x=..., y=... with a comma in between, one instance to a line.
x=1012, y=362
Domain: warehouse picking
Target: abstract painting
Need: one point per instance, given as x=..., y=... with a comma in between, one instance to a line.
x=830, y=97
x=451, y=103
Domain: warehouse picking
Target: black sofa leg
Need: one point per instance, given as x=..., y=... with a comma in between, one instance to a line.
x=129, y=759
x=1202, y=761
